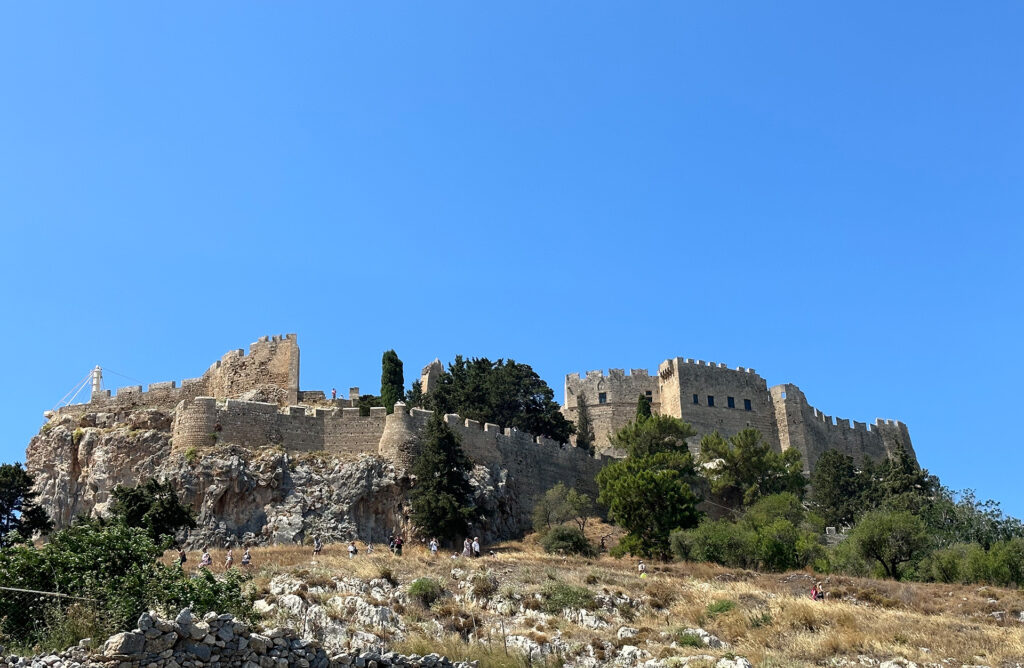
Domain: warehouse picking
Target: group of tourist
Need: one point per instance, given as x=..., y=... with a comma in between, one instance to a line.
x=206, y=561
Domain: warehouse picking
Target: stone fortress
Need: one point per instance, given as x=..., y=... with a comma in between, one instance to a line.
x=253, y=400
x=261, y=460
x=711, y=396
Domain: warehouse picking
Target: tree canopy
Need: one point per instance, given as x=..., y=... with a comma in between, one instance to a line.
x=20, y=514
x=744, y=468
x=584, y=425
x=653, y=434
x=503, y=392
x=153, y=507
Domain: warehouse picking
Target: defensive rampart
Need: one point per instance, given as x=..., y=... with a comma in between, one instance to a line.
x=205, y=420
x=534, y=463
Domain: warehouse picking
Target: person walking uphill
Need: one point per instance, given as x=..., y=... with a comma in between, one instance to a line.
x=467, y=549
x=476, y=546
x=317, y=546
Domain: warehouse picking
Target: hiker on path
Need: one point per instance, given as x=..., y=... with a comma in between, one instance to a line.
x=398, y=546
x=641, y=568
x=247, y=558
x=206, y=560
x=467, y=548
x=476, y=546
x=229, y=560
x=317, y=546
x=433, y=547
x=181, y=557
x=352, y=549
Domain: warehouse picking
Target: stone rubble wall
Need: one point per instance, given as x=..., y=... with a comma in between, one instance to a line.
x=217, y=640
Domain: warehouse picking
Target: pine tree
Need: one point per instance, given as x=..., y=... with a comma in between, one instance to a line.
x=643, y=408
x=442, y=496
x=392, y=380
x=584, y=426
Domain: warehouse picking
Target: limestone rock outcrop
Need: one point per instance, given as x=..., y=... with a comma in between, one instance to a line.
x=241, y=495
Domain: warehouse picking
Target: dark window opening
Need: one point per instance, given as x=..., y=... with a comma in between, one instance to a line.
x=746, y=405
x=711, y=400
x=649, y=394
x=602, y=397
x=696, y=400
x=731, y=402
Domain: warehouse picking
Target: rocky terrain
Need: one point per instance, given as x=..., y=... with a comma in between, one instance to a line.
x=254, y=497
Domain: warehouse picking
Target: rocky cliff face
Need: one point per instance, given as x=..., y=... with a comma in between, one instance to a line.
x=241, y=495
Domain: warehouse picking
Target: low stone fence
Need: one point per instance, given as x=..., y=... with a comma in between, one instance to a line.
x=217, y=641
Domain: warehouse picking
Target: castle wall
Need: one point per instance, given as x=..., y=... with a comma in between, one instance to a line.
x=812, y=432
x=534, y=463
x=254, y=424
x=621, y=393
x=681, y=379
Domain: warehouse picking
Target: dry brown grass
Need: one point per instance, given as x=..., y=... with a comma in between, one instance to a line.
x=773, y=621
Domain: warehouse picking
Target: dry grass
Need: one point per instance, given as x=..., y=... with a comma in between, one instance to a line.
x=773, y=622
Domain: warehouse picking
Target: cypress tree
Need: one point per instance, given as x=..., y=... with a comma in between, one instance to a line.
x=442, y=496
x=584, y=426
x=392, y=380
x=643, y=408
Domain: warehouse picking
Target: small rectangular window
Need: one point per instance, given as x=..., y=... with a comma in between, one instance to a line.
x=696, y=400
x=602, y=397
x=711, y=400
x=649, y=394
x=746, y=405
x=731, y=402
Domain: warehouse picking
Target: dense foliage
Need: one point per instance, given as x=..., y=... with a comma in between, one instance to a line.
x=442, y=496
x=567, y=540
x=154, y=507
x=559, y=505
x=745, y=468
x=503, y=392
x=774, y=534
x=20, y=515
x=392, y=380
x=107, y=571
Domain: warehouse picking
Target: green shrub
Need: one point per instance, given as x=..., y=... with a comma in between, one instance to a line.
x=191, y=455
x=76, y=436
x=688, y=639
x=558, y=596
x=720, y=607
x=567, y=540
x=425, y=591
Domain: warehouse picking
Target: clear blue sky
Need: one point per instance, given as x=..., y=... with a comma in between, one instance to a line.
x=829, y=193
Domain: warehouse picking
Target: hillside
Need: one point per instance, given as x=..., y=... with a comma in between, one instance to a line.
x=590, y=612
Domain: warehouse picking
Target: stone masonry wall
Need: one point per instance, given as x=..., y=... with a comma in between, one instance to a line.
x=782, y=413
x=620, y=391
x=534, y=463
x=812, y=432
x=203, y=421
x=714, y=385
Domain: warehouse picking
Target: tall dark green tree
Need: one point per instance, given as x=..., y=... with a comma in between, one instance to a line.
x=392, y=380
x=415, y=398
x=20, y=514
x=584, y=425
x=442, y=496
x=154, y=507
x=504, y=392
x=643, y=407
x=657, y=433
x=837, y=488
